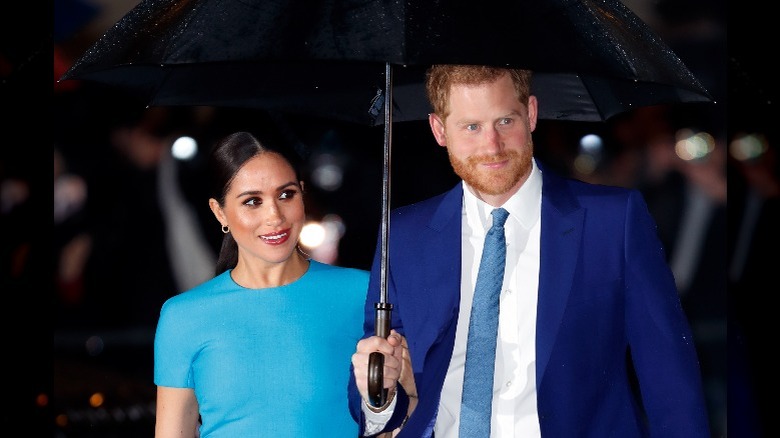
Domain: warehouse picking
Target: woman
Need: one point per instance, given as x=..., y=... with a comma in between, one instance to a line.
x=262, y=348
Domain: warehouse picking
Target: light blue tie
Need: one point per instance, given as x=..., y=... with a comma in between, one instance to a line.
x=483, y=331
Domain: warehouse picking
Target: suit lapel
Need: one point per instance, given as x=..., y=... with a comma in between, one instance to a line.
x=436, y=245
x=561, y=237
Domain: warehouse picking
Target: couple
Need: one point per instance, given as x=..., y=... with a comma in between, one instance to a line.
x=591, y=338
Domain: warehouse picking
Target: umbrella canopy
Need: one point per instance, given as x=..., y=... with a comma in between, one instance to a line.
x=593, y=58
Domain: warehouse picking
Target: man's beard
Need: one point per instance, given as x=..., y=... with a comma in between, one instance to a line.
x=494, y=182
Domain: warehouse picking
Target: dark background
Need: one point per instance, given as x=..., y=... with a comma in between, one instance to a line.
x=59, y=353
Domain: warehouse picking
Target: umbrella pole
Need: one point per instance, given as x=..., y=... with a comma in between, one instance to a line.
x=386, y=190
x=376, y=361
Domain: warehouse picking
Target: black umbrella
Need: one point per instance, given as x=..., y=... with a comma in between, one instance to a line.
x=354, y=60
x=593, y=58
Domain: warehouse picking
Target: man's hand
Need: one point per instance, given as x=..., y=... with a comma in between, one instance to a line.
x=393, y=350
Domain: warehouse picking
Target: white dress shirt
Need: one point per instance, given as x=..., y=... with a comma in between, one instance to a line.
x=514, y=388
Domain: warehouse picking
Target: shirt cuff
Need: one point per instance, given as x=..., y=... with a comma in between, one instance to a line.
x=376, y=421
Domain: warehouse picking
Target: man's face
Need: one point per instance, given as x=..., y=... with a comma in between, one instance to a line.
x=488, y=137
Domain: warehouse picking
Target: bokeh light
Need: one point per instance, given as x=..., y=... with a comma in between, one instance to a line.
x=691, y=145
x=184, y=148
x=747, y=147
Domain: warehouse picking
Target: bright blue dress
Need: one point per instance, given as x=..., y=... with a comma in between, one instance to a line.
x=268, y=362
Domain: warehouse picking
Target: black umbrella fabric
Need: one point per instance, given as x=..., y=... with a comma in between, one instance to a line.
x=593, y=58
x=364, y=61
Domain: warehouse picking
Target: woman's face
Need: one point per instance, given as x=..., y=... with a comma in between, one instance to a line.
x=264, y=209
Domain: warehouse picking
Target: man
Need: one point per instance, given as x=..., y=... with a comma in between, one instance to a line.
x=591, y=337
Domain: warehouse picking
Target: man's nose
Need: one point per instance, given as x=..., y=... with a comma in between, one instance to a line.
x=493, y=140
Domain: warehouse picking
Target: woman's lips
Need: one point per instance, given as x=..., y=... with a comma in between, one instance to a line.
x=277, y=237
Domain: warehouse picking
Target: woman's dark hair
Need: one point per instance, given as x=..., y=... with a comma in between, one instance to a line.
x=227, y=157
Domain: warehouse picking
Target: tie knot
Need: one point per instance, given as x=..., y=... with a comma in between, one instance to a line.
x=499, y=217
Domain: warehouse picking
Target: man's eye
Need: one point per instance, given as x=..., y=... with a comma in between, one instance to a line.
x=505, y=121
x=472, y=127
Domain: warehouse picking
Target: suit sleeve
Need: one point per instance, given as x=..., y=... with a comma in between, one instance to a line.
x=355, y=400
x=662, y=348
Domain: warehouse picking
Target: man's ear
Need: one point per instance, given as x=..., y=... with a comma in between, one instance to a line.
x=532, y=112
x=437, y=127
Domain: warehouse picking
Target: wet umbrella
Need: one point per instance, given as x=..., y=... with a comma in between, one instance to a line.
x=593, y=58
x=355, y=60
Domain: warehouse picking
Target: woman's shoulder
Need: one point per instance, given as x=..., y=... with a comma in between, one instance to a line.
x=204, y=291
x=344, y=286
x=335, y=271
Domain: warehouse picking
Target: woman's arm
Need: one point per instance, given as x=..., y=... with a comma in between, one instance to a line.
x=177, y=413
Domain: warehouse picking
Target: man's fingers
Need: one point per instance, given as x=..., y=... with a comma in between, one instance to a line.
x=393, y=349
x=395, y=339
x=374, y=343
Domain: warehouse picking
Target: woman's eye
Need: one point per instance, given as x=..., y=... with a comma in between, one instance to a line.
x=288, y=194
x=253, y=201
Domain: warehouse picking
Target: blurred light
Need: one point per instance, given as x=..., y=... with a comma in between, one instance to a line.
x=61, y=420
x=98, y=415
x=42, y=400
x=119, y=415
x=334, y=226
x=13, y=192
x=96, y=400
x=312, y=235
x=321, y=239
x=692, y=145
x=747, y=147
x=589, y=156
x=94, y=345
x=184, y=148
x=70, y=195
x=591, y=144
x=135, y=413
x=328, y=177
x=327, y=173
x=585, y=164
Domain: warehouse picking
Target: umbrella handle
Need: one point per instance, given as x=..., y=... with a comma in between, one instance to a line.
x=377, y=394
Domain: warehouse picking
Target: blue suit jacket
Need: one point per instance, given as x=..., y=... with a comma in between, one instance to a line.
x=608, y=315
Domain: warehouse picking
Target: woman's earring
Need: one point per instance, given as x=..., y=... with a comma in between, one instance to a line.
x=225, y=229
x=303, y=253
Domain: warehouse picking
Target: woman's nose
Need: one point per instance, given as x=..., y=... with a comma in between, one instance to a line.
x=274, y=216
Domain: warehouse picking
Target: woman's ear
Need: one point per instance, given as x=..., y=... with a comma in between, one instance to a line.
x=217, y=210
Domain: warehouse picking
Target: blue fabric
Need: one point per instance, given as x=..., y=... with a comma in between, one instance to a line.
x=270, y=362
x=604, y=290
x=483, y=331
